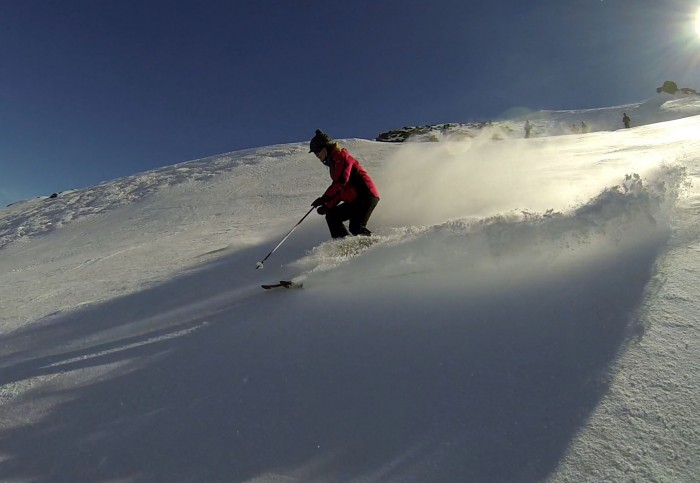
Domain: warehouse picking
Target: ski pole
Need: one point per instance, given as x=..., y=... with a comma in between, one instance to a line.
x=260, y=263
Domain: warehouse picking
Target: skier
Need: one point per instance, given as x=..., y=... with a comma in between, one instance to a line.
x=352, y=194
x=626, y=120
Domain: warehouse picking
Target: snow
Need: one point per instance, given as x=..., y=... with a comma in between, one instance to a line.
x=527, y=311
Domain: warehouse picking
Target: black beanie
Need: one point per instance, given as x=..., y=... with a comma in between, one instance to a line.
x=319, y=141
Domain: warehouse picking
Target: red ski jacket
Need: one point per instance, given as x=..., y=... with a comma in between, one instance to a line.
x=350, y=180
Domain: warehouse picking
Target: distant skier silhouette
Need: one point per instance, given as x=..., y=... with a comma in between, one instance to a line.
x=626, y=120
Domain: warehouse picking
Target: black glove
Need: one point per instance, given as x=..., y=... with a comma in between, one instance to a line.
x=322, y=210
x=317, y=202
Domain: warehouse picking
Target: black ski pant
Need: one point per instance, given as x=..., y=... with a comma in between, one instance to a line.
x=358, y=212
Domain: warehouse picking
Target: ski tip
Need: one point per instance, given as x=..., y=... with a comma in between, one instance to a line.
x=284, y=284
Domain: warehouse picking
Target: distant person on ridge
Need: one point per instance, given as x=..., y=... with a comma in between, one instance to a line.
x=352, y=194
x=626, y=120
x=528, y=128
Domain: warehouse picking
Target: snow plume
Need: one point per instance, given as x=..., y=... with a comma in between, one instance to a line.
x=511, y=249
x=424, y=184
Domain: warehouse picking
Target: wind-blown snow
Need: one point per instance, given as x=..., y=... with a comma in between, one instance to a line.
x=526, y=311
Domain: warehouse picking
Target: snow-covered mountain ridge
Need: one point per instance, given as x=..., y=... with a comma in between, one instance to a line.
x=44, y=214
x=662, y=107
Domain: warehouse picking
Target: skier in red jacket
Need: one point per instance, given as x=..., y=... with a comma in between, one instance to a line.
x=352, y=194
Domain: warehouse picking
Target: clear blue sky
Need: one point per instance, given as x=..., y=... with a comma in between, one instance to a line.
x=94, y=90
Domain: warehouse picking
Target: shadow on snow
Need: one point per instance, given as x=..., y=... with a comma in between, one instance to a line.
x=263, y=385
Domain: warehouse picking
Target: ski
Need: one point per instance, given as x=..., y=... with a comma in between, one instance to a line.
x=282, y=283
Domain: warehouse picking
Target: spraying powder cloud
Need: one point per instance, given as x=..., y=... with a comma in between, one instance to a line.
x=480, y=176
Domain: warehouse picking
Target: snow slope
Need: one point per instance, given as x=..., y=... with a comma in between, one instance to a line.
x=527, y=312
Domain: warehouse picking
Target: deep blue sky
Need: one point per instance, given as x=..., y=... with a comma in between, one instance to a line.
x=94, y=90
